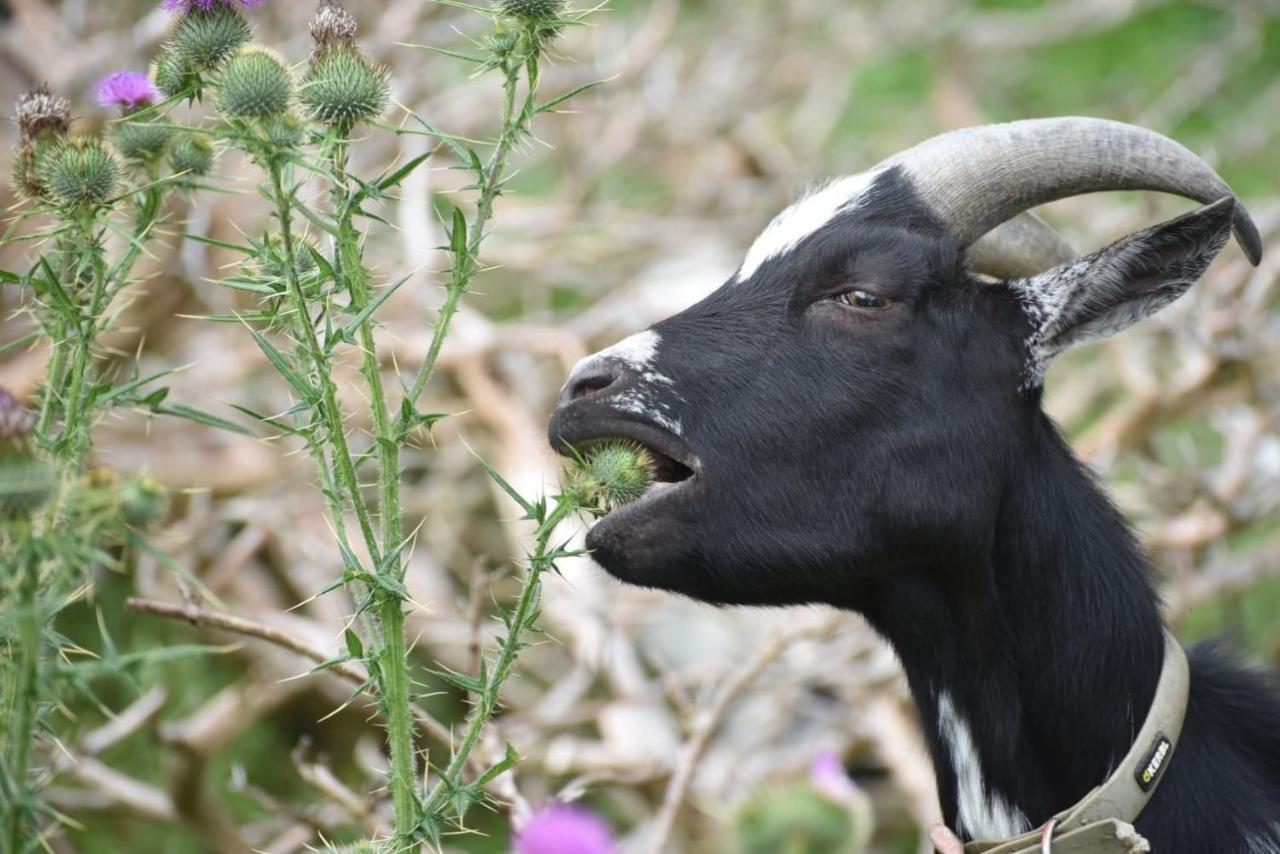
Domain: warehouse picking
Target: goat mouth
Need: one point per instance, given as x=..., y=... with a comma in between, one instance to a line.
x=672, y=465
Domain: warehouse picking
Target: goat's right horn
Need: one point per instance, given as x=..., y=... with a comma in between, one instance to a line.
x=1024, y=246
x=976, y=178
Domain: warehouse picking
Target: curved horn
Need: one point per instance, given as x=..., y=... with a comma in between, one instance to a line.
x=1022, y=247
x=976, y=178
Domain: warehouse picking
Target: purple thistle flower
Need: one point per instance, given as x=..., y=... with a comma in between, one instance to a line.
x=203, y=5
x=127, y=90
x=828, y=777
x=565, y=829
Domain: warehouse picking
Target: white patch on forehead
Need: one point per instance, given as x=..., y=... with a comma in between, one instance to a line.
x=981, y=814
x=804, y=218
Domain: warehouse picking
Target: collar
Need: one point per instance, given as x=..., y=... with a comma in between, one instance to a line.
x=1102, y=821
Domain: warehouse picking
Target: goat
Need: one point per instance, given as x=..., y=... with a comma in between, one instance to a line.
x=855, y=418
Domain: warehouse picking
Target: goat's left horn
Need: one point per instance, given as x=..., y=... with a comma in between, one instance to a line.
x=977, y=178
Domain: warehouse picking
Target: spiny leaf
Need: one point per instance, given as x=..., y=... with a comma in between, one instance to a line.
x=403, y=172
x=191, y=413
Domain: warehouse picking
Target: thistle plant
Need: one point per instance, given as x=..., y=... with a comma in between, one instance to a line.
x=319, y=297
x=95, y=202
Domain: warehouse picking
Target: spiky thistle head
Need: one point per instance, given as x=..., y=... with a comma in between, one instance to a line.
x=610, y=474
x=254, y=84
x=204, y=38
x=171, y=73
x=343, y=89
x=41, y=113
x=80, y=172
x=191, y=154
x=284, y=130
x=532, y=10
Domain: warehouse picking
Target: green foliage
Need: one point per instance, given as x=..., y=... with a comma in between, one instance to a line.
x=26, y=482
x=796, y=820
x=254, y=84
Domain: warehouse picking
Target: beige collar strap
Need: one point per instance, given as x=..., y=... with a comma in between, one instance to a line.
x=1102, y=822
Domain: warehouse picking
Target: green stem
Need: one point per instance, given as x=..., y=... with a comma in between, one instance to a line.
x=509, y=651
x=394, y=665
x=52, y=381
x=83, y=371
x=351, y=271
x=464, y=267
x=394, y=661
x=329, y=412
x=22, y=717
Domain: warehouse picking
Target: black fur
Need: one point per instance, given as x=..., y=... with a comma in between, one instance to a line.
x=894, y=462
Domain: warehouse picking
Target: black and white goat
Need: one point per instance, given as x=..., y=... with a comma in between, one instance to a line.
x=854, y=418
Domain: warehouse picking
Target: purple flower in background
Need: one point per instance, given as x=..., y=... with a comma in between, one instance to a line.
x=828, y=777
x=127, y=90
x=565, y=829
x=203, y=5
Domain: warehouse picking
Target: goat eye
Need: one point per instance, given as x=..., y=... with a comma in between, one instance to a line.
x=863, y=299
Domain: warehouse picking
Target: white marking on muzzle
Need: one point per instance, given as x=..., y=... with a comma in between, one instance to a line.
x=636, y=352
x=805, y=217
x=642, y=398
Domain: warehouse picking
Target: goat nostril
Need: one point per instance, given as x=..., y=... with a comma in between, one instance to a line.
x=588, y=386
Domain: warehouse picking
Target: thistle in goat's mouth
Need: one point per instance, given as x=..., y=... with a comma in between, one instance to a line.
x=612, y=473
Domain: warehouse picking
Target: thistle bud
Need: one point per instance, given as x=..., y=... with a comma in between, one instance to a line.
x=533, y=10
x=502, y=42
x=283, y=131
x=27, y=165
x=206, y=37
x=80, y=172
x=40, y=113
x=191, y=154
x=139, y=140
x=254, y=84
x=610, y=475
x=343, y=89
x=171, y=73
x=143, y=502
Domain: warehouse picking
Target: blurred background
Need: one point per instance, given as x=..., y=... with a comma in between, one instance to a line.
x=657, y=712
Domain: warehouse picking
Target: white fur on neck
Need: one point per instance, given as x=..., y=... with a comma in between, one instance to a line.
x=1266, y=843
x=981, y=814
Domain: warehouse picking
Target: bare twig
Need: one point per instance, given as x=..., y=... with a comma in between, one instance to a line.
x=204, y=617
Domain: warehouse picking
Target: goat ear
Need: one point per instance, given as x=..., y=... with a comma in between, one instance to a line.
x=1113, y=288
